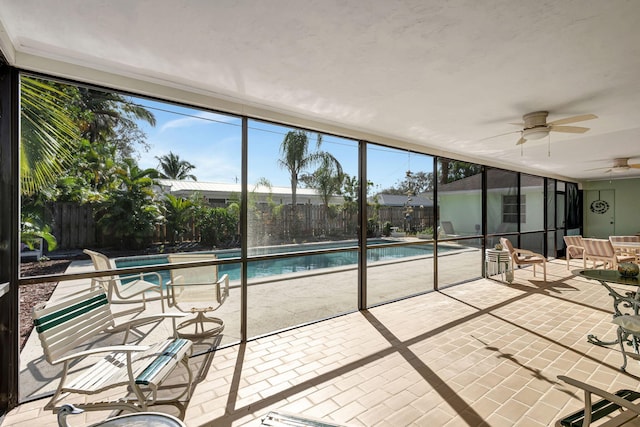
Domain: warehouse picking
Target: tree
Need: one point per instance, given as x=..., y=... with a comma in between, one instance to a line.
x=112, y=117
x=454, y=170
x=172, y=167
x=91, y=176
x=296, y=158
x=218, y=226
x=422, y=182
x=48, y=133
x=178, y=213
x=326, y=180
x=350, y=194
x=414, y=183
x=130, y=212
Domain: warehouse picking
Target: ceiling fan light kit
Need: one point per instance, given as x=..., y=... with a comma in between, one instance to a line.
x=535, y=133
x=619, y=169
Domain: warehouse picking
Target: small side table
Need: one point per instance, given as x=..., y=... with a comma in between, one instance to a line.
x=496, y=262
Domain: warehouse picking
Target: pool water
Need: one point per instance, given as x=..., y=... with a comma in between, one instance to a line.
x=258, y=269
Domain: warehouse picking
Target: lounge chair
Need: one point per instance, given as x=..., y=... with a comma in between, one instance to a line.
x=602, y=250
x=522, y=257
x=618, y=406
x=575, y=249
x=32, y=252
x=129, y=289
x=69, y=329
x=197, y=290
x=446, y=229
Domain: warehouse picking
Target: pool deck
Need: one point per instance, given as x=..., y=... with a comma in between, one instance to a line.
x=481, y=353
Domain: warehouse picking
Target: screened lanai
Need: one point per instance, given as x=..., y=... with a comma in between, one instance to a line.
x=344, y=251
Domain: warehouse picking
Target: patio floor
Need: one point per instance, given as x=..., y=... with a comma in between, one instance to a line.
x=479, y=353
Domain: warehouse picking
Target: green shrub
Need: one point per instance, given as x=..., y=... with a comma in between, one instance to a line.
x=218, y=227
x=386, y=229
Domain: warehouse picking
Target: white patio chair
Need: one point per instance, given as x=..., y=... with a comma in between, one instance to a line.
x=133, y=290
x=70, y=330
x=197, y=290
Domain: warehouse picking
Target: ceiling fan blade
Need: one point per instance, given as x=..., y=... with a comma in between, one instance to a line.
x=635, y=166
x=499, y=135
x=633, y=161
x=573, y=119
x=521, y=141
x=568, y=129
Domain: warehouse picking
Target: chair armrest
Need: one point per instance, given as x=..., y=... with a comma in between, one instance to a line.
x=528, y=253
x=140, y=277
x=144, y=320
x=579, y=248
x=222, y=296
x=109, y=349
x=602, y=393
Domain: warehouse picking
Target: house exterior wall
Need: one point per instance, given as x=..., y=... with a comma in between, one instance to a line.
x=464, y=210
x=626, y=204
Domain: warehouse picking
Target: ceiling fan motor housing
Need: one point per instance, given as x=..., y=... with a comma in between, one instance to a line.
x=535, y=125
x=535, y=119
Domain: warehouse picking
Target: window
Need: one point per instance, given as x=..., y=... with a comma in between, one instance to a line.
x=217, y=202
x=510, y=209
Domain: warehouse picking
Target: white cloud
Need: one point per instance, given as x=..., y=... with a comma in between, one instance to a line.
x=203, y=117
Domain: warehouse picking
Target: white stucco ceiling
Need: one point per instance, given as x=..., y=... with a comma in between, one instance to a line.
x=443, y=75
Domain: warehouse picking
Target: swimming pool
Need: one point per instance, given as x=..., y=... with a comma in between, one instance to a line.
x=267, y=268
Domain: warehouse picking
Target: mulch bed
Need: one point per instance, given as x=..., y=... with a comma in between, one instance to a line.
x=30, y=295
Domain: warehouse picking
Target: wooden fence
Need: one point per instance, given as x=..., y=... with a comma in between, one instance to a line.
x=74, y=226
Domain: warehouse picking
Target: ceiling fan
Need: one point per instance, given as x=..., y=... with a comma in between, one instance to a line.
x=623, y=164
x=535, y=125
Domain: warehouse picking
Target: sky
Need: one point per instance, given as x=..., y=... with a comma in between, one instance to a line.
x=212, y=142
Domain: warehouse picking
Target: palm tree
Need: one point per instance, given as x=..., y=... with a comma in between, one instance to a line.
x=172, y=167
x=131, y=212
x=112, y=117
x=48, y=134
x=178, y=213
x=296, y=158
x=327, y=179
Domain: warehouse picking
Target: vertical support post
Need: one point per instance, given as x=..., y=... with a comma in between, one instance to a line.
x=244, y=209
x=362, y=216
x=485, y=225
x=436, y=220
x=9, y=238
x=545, y=220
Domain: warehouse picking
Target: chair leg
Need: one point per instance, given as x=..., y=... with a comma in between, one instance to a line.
x=199, y=324
x=621, y=336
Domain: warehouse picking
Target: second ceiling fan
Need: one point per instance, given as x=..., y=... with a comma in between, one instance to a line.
x=535, y=125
